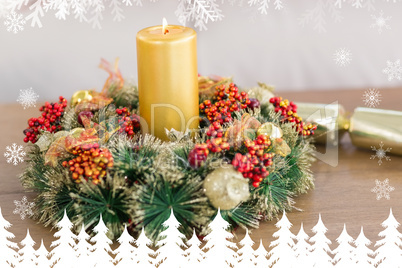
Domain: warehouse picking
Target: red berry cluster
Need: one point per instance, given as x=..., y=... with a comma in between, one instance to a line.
x=49, y=120
x=198, y=155
x=253, y=165
x=215, y=144
x=226, y=101
x=215, y=130
x=288, y=111
x=129, y=123
x=90, y=164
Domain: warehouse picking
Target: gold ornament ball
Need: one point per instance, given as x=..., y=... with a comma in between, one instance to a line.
x=225, y=187
x=81, y=95
x=271, y=130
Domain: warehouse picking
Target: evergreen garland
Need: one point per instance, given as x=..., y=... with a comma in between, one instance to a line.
x=150, y=177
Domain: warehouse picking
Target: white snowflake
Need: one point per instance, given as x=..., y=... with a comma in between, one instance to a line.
x=14, y=154
x=263, y=5
x=372, y=97
x=27, y=98
x=393, y=70
x=198, y=11
x=382, y=189
x=369, y=4
x=14, y=22
x=380, y=153
x=380, y=22
x=23, y=207
x=317, y=15
x=91, y=11
x=342, y=57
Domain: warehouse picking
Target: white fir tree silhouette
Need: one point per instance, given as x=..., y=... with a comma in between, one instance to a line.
x=220, y=251
x=261, y=256
x=344, y=253
x=142, y=255
x=246, y=258
x=42, y=254
x=83, y=253
x=170, y=252
x=362, y=252
x=7, y=254
x=389, y=251
x=101, y=247
x=302, y=249
x=194, y=254
x=320, y=246
x=27, y=252
x=282, y=253
x=124, y=252
x=63, y=253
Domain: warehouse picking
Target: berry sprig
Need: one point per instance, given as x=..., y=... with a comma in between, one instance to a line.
x=216, y=143
x=226, y=100
x=198, y=155
x=215, y=130
x=50, y=120
x=90, y=164
x=254, y=164
x=129, y=123
x=288, y=111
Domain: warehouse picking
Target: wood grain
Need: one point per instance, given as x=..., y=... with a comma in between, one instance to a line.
x=342, y=194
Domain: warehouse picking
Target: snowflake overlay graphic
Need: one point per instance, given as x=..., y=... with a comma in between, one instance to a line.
x=382, y=189
x=27, y=98
x=380, y=153
x=14, y=22
x=380, y=22
x=342, y=57
x=263, y=5
x=14, y=154
x=200, y=12
x=393, y=70
x=372, y=97
x=317, y=15
x=23, y=207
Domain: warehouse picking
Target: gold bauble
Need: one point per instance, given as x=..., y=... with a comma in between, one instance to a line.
x=81, y=95
x=271, y=130
x=226, y=187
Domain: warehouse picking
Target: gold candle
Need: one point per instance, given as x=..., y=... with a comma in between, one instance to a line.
x=167, y=79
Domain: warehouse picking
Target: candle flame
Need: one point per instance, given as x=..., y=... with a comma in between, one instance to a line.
x=164, y=26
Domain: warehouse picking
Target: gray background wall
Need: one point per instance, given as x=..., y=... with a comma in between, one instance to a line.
x=62, y=56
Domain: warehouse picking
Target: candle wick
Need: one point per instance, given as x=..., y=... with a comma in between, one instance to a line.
x=166, y=31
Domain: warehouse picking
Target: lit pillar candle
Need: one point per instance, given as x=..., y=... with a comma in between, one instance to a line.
x=168, y=78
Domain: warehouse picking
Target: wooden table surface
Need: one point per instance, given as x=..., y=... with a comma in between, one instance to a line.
x=342, y=194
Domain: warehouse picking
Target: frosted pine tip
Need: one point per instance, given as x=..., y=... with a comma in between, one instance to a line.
x=164, y=26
